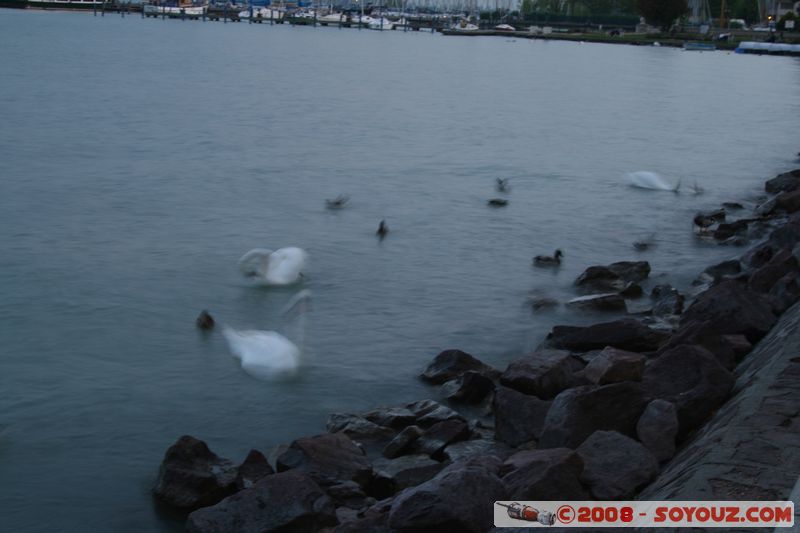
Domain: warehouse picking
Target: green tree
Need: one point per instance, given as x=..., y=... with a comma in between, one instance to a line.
x=527, y=8
x=662, y=13
x=745, y=9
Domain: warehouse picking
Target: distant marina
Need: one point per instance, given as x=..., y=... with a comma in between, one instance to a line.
x=451, y=23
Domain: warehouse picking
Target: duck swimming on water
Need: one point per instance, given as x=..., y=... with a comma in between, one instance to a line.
x=502, y=185
x=383, y=229
x=546, y=260
x=338, y=202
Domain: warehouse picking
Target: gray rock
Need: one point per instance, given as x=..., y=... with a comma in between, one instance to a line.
x=544, y=373
x=435, y=438
x=613, y=277
x=692, y=379
x=784, y=293
x=782, y=263
x=471, y=388
x=392, y=475
x=254, y=467
x=358, y=428
x=290, y=501
x=348, y=494
x=470, y=448
x=786, y=182
x=724, y=270
x=657, y=429
x=519, y=418
x=375, y=524
x=391, y=417
x=542, y=475
x=731, y=308
x=731, y=229
x=192, y=476
x=579, y=412
x=453, y=501
x=598, y=302
x=613, y=366
x=429, y=412
x=667, y=300
x=402, y=443
x=615, y=465
x=450, y=364
x=626, y=334
x=329, y=459
x=788, y=202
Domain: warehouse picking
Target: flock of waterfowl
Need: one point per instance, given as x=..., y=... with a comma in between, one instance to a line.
x=268, y=353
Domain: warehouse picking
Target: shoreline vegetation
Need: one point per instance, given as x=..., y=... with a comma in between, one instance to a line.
x=674, y=399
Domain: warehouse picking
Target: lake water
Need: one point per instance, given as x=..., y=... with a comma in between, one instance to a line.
x=139, y=159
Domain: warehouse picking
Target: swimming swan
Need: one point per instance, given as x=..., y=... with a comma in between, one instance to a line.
x=268, y=354
x=643, y=179
x=281, y=267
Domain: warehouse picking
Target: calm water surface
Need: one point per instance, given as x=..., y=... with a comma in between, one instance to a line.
x=140, y=158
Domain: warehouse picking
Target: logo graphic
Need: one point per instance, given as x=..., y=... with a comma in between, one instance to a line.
x=527, y=513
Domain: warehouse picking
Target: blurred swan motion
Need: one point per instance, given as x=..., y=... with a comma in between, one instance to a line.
x=281, y=267
x=644, y=179
x=268, y=354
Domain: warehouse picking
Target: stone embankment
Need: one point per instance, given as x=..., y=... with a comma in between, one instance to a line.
x=700, y=403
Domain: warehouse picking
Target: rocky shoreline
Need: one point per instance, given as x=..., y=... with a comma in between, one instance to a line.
x=596, y=412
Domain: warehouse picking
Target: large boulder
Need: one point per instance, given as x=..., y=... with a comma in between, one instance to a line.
x=666, y=300
x=435, y=438
x=402, y=443
x=391, y=417
x=782, y=263
x=727, y=349
x=429, y=412
x=692, y=379
x=252, y=470
x=785, y=293
x=457, y=500
x=724, y=270
x=542, y=475
x=731, y=308
x=788, y=202
x=610, y=301
x=469, y=448
x=519, y=418
x=579, y=412
x=329, y=459
x=657, y=429
x=786, y=182
x=287, y=502
x=450, y=364
x=613, y=277
x=544, y=373
x=192, y=476
x=470, y=388
x=626, y=334
x=613, y=366
x=392, y=475
x=615, y=466
x=358, y=428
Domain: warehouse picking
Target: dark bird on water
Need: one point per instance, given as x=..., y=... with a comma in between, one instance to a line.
x=338, y=202
x=644, y=244
x=546, y=260
x=383, y=229
x=205, y=321
x=502, y=185
x=497, y=202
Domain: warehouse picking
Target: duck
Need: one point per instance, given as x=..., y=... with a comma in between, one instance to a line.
x=205, y=321
x=546, y=260
x=338, y=202
x=497, y=202
x=502, y=185
x=269, y=354
x=283, y=266
x=643, y=244
x=383, y=229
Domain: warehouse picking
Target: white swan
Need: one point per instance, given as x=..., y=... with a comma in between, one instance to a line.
x=281, y=267
x=644, y=179
x=268, y=354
